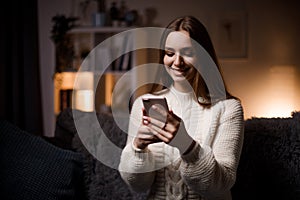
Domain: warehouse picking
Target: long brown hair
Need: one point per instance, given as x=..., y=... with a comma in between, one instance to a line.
x=199, y=34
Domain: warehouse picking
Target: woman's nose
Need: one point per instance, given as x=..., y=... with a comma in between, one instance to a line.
x=178, y=60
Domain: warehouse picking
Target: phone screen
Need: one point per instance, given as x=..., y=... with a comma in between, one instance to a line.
x=159, y=102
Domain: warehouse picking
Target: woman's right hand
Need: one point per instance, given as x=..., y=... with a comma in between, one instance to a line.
x=144, y=136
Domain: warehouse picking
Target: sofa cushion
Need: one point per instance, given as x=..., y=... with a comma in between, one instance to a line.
x=270, y=165
x=102, y=181
x=33, y=169
x=268, y=169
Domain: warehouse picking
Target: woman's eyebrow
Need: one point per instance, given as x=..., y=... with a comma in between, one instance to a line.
x=169, y=49
x=182, y=49
x=187, y=48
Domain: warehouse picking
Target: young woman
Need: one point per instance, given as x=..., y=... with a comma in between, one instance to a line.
x=193, y=151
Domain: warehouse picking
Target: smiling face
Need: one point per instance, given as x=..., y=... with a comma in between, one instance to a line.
x=179, y=59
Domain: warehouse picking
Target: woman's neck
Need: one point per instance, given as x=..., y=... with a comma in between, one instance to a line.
x=183, y=87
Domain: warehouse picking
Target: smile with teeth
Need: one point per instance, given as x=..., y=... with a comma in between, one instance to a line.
x=183, y=69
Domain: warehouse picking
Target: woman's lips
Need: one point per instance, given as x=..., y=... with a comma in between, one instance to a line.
x=179, y=69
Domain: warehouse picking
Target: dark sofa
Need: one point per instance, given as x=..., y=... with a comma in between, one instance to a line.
x=269, y=167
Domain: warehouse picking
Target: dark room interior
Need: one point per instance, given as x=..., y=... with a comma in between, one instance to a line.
x=46, y=103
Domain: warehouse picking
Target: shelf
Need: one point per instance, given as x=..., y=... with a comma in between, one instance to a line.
x=105, y=29
x=99, y=95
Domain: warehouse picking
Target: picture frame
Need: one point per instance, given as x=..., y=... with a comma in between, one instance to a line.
x=231, y=35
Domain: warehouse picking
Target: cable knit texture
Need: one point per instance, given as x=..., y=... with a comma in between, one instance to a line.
x=208, y=171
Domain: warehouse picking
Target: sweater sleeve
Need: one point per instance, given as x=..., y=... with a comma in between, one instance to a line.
x=210, y=170
x=136, y=166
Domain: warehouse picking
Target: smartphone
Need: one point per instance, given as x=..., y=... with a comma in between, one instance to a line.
x=160, y=102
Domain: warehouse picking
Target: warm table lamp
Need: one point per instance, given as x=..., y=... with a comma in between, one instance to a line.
x=74, y=90
x=84, y=92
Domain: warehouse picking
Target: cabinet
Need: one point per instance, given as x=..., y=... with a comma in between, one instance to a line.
x=100, y=65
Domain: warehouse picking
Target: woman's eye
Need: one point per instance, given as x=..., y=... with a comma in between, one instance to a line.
x=189, y=53
x=169, y=53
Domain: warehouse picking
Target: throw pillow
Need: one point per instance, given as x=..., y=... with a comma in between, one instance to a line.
x=33, y=169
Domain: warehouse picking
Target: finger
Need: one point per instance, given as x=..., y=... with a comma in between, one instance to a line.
x=161, y=134
x=144, y=129
x=174, y=115
x=156, y=122
x=145, y=122
x=162, y=137
x=145, y=133
x=170, y=124
x=142, y=143
x=148, y=137
x=173, y=118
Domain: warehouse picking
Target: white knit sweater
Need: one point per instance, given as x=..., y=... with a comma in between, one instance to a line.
x=208, y=171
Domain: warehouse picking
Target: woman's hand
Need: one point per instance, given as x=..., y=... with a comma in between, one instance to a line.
x=144, y=136
x=171, y=130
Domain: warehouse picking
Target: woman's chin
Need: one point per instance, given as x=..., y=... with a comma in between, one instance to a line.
x=178, y=78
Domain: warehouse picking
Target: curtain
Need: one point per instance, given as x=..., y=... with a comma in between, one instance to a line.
x=20, y=101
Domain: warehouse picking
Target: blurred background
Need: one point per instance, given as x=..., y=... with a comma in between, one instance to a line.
x=257, y=42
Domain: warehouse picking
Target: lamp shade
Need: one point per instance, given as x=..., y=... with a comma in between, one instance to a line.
x=67, y=80
x=84, y=81
x=84, y=91
x=84, y=100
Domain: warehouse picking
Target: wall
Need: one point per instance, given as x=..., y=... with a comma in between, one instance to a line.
x=272, y=48
x=47, y=9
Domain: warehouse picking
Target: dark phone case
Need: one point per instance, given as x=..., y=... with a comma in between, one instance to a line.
x=160, y=102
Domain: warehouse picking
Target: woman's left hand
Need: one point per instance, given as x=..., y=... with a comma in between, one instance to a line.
x=171, y=130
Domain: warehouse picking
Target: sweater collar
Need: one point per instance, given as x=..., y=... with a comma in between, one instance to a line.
x=183, y=96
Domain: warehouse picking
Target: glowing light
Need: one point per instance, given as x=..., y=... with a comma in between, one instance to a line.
x=84, y=100
x=281, y=92
x=84, y=92
x=67, y=80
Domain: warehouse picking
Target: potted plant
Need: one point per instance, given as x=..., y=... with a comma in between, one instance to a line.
x=64, y=47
